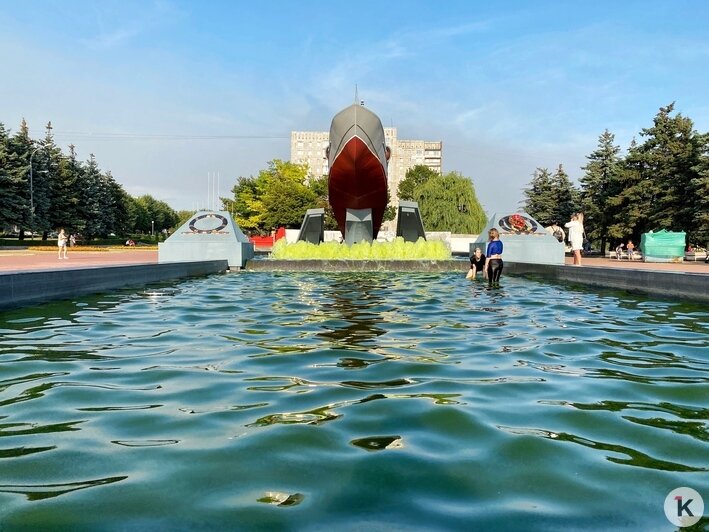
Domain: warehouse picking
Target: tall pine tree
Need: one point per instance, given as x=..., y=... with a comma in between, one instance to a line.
x=597, y=188
x=670, y=155
x=12, y=204
x=90, y=196
x=566, y=195
x=20, y=148
x=540, y=195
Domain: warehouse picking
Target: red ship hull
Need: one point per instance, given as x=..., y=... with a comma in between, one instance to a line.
x=358, y=181
x=358, y=160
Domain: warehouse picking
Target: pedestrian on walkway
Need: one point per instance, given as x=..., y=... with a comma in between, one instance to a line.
x=61, y=243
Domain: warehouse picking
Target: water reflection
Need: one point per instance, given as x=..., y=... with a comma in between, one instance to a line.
x=37, y=492
x=358, y=301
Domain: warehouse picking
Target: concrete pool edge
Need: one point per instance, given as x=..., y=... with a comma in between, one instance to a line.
x=665, y=284
x=26, y=288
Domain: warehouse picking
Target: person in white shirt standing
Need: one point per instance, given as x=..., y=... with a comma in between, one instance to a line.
x=61, y=242
x=576, y=231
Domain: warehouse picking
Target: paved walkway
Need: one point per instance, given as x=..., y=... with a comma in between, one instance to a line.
x=23, y=260
x=685, y=266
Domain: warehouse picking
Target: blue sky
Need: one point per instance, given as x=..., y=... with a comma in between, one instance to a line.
x=507, y=86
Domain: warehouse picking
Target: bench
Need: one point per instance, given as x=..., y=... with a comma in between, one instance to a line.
x=695, y=255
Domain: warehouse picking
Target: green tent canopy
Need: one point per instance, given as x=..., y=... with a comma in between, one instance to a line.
x=663, y=246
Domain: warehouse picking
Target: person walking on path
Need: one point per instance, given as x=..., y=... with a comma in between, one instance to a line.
x=61, y=243
x=575, y=227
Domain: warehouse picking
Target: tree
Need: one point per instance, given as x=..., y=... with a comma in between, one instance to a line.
x=551, y=198
x=153, y=215
x=286, y=197
x=671, y=155
x=278, y=196
x=597, y=187
x=66, y=191
x=11, y=202
x=540, y=200
x=319, y=186
x=20, y=148
x=631, y=198
x=49, y=200
x=246, y=206
x=567, y=196
x=415, y=177
x=93, y=219
x=449, y=203
x=699, y=192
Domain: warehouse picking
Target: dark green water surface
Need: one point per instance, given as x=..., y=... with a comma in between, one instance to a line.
x=268, y=401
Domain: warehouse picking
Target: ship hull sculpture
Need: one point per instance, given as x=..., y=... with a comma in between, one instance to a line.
x=358, y=160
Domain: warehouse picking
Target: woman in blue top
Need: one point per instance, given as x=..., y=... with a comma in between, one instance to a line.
x=493, y=258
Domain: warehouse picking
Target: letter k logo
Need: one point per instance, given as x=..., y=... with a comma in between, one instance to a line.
x=683, y=507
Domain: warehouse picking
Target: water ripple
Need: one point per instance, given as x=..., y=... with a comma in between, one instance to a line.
x=335, y=401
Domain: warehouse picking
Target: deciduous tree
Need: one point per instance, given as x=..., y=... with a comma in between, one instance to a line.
x=449, y=203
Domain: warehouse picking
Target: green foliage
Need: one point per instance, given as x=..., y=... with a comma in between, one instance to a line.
x=662, y=183
x=278, y=196
x=319, y=186
x=599, y=185
x=397, y=250
x=414, y=178
x=11, y=201
x=183, y=217
x=285, y=197
x=153, y=215
x=551, y=198
x=448, y=203
x=42, y=189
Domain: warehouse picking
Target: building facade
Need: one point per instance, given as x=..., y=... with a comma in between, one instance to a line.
x=308, y=147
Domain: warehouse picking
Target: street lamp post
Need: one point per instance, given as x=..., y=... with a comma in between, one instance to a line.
x=152, y=228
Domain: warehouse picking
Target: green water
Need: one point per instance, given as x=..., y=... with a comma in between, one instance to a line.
x=259, y=401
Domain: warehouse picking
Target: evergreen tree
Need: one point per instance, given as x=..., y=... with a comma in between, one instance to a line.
x=541, y=201
x=11, y=202
x=670, y=155
x=631, y=203
x=20, y=148
x=46, y=163
x=699, y=197
x=66, y=192
x=449, y=203
x=119, y=206
x=93, y=220
x=597, y=187
x=566, y=195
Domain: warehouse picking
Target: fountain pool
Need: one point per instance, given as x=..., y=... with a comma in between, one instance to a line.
x=258, y=400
